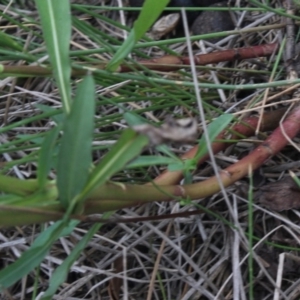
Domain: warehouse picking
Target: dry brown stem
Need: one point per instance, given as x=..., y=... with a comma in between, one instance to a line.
x=165, y=63
x=172, y=62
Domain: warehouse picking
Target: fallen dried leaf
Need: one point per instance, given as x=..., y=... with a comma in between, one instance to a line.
x=164, y=26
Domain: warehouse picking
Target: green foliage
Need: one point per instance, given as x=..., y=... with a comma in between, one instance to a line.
x=56, y=24
x=60, y=274
x=214, y=128
x=150, y=12
x=150, y=160
x=75, y=155
x=76, y=177
x=35, y=254
x=7, y=42
x=45, y=157
x=127, y=148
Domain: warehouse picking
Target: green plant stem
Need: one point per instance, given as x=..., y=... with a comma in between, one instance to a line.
x=11, y=185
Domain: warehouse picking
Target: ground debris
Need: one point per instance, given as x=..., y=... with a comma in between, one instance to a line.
x=281, y=195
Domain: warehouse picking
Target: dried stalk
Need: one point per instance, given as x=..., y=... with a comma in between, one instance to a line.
x=171, y=62
x=164, y=63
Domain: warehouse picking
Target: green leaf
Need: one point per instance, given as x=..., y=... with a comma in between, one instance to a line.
x=56, y=24
x=133, y=119
x=57, y=118
x=75, y=155
x=150, y=160
x=177, y=166
x=128, y=147
x=34, y=255
x=214, y=128
x=149, y=13
x=7, y=41
x=9, y=199
x=45, y=155
x=60, y=274
x=187, y=165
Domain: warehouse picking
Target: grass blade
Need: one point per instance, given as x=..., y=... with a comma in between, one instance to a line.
x=75, y=157
x=128, y=147
x=7, y=41
x=34, y=255
x=45, y=156
x=150, y=12
x=214, y=128
x=150, y=160
x=56, y=24
x=60, y=274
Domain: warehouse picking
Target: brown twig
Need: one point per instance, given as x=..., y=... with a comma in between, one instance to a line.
x=164, y=63
x=171, y=62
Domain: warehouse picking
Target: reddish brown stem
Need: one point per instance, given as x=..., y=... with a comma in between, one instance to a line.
x=165, y=63
x=172, y=62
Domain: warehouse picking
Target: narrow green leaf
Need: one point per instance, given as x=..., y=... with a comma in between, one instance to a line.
x=133, y=119
x=7, y=41
x=149, y=13
x=151, y=160
x=127, y=148
x=56, y=24
x=60, y=274
x=75, y=157
x=296, y=179
x=45, y=156
x=9, y=199
x=214, y=128
x=57, y=118
x=34, y=255
x=177, y=166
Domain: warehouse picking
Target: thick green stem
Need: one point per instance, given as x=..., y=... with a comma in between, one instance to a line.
x=17, y=215
x=11, y=185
